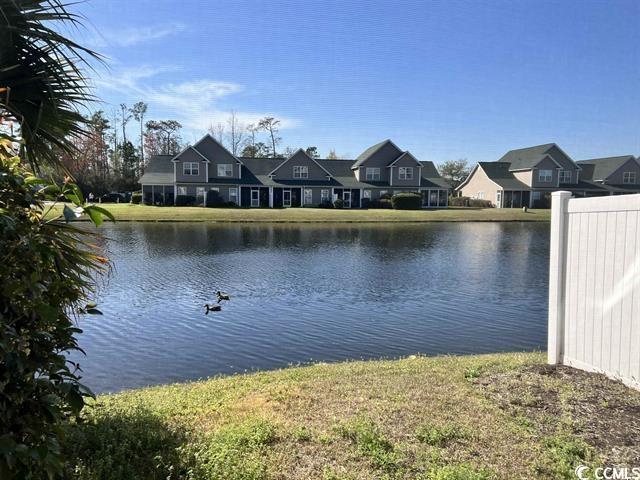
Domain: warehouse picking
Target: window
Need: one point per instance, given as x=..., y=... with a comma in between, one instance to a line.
x=308, y=196
x=629, y=177
x=300, y=172
x=255, y=197
x=225, y=170
x=182, y=190
x=190, y=168
x=480, y=195
x=536, y=196
x=545, y=176
x=233, y=195
x=200, y=194
x=324, y=196
x=405, y=173
x=383, y=192
x=366, y=194
x=565, y=176
x=373, y=173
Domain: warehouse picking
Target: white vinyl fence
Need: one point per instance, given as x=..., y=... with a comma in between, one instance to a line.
x=594, y=285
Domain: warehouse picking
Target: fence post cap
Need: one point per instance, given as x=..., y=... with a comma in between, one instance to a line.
x=560, y=194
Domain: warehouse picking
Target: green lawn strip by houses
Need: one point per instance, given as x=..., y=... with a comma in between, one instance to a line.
x=467, y=417
x=144, y=213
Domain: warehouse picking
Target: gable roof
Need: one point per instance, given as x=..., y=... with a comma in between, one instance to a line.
x=364, y=156
x=405, y=154
x=499, y=173
x=599, y=169
x=186, y=149
x=210, y=137
x=296, y=153
x=529, y=157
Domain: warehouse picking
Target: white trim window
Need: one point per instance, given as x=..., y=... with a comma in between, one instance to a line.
x=190, y=168
x=545, y=176
x=479, y=196
x=366, y=194
x=629, y=177
x=255, y=197
x=300, y=171
x=324, y=195
x=182, y=191
x=405, y=173
x=372, y=174
x=565, y=176
x=233, y=195
x=308, y=196
x=225, y=170
x=535, y=196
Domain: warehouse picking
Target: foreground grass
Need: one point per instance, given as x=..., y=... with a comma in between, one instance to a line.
x=145, y=213
x=472, y=417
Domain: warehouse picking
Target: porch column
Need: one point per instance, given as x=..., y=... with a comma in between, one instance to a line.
x=153, y=191
x=360, y=198
x=270, y=197
x=164, y=198
x=175, y=194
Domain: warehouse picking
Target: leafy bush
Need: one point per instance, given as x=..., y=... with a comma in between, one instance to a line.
x=185, y=200
x=338, y=203
x=136, y=198
x=325, y=204
x=214, y=199
x=459, y=201
x=47, y=273
x=479, y=203
x=365, y=202
x=381, y=203
x=406, y=201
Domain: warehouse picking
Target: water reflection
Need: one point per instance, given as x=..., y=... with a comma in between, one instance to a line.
x=305, y=292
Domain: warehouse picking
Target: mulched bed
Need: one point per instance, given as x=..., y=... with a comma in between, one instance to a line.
x=558, y=399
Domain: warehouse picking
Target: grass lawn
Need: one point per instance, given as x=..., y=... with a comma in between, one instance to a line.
x=140, y=213
x=469, y=417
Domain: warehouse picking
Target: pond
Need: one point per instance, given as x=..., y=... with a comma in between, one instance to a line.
x=307, y=293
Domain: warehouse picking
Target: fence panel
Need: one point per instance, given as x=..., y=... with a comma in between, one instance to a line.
x=594, y=285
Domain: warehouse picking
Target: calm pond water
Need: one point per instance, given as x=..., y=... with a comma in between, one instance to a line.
x=304, y=293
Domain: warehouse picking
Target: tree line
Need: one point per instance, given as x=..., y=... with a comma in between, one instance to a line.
x=107, y=158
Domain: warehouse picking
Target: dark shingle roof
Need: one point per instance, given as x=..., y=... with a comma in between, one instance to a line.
x=500, y=174
x=368, y=152
x=598, y=169
x=159, y=170
x=523, y=158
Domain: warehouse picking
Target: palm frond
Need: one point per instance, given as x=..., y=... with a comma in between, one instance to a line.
x=42, y=71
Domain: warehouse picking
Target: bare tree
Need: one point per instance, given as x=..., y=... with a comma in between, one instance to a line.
x=237, y=133
x=271, y=126
x=217, y=131
x=168, y=128
x=252, y=129
x=332, y=155
x=138, y=111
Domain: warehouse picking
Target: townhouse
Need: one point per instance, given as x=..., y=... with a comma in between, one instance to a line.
x=527, y=176
x=208, y=168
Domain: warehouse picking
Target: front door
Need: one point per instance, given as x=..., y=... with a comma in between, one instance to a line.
x=346, y=198
x=255, y=198
x=286, y=198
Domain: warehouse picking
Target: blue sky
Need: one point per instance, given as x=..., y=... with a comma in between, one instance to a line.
x=444, y=79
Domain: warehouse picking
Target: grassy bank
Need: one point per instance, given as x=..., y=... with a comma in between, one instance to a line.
x=144, y=213
x=472, y=417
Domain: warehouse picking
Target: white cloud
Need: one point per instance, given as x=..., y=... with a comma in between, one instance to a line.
x=130, y=36
x=194, y=103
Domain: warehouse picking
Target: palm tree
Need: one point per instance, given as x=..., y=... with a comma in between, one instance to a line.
x=42, y=86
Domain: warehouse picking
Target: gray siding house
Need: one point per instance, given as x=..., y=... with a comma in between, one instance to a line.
x=527, y=176
x=207, y=168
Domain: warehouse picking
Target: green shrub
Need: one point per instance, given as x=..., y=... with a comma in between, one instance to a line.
x=480, y=203
x=185, y=200
x=47, y=273
x=407, y=201
x=338, y=203
x=459, y=201
x=136, y=198
x=365, y=202
x=381, y=203
x=326, y=204
x=214, y=199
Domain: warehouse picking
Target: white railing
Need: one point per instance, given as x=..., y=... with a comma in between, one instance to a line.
x=594, y=285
